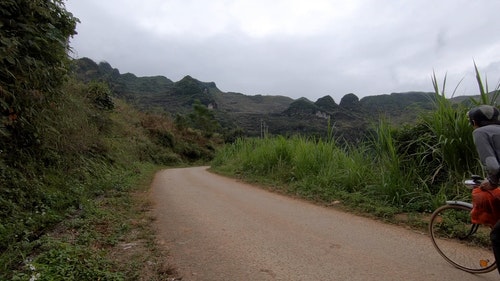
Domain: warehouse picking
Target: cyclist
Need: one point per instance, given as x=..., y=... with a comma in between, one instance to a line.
x=486, y=122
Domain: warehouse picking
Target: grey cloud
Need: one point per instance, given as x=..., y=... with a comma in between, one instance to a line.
x=388, y=46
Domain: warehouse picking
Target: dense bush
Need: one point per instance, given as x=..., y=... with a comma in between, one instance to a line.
x=33, y=51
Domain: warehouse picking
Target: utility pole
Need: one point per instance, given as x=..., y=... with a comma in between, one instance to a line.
x=263, y=129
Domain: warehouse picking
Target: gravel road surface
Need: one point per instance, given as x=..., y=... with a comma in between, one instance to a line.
x=219, y=229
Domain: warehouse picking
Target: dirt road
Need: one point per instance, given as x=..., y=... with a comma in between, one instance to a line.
x=220, y=229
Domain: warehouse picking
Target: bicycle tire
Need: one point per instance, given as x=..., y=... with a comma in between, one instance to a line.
x=451, y=229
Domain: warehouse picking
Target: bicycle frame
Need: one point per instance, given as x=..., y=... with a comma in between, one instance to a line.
x=474, y=227
x=479, y=263
x=460, y=203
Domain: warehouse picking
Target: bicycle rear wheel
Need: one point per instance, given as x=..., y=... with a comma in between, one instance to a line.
x=465, y=245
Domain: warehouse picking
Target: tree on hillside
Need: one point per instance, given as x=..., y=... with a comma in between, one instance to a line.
x=99, y=95
x=203, y=118
x=34, y=36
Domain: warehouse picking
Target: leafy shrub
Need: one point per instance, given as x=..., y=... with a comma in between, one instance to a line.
x=33, y=48
x=99, y=95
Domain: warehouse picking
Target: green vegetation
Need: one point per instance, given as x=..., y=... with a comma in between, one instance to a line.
x=73, y=200
x=75, y=161
x=405, y=169
x=76, y=158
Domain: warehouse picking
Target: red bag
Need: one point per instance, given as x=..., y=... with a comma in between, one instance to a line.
x=485, y=206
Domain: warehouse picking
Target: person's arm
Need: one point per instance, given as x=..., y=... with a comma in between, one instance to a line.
x=487, y=157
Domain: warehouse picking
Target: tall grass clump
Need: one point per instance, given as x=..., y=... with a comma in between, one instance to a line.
x=328, y=166
x=398, y=180
x=486, y=97
x=269, y=157
x=448, y=146
x=450, y=125
x=293, y=161
x=314, y=169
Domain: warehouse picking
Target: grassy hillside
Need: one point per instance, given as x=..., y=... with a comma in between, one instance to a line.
x=75, y=158
x=87, y=156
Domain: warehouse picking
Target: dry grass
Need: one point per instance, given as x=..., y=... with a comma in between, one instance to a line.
x=139, y=248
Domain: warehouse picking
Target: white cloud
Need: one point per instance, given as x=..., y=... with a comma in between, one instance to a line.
x=255, y=18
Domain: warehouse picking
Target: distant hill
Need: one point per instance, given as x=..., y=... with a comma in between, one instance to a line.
x=351, y=118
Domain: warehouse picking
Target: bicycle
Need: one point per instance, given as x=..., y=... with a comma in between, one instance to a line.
x=463, y=244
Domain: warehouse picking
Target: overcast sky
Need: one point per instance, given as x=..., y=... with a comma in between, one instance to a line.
x=297, y=48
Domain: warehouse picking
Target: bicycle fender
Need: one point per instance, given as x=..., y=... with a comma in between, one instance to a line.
x=460, y=203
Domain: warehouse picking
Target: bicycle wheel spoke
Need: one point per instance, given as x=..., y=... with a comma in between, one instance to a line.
x=464, y=245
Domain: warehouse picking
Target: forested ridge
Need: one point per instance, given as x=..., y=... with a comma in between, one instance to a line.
x=249, y=115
